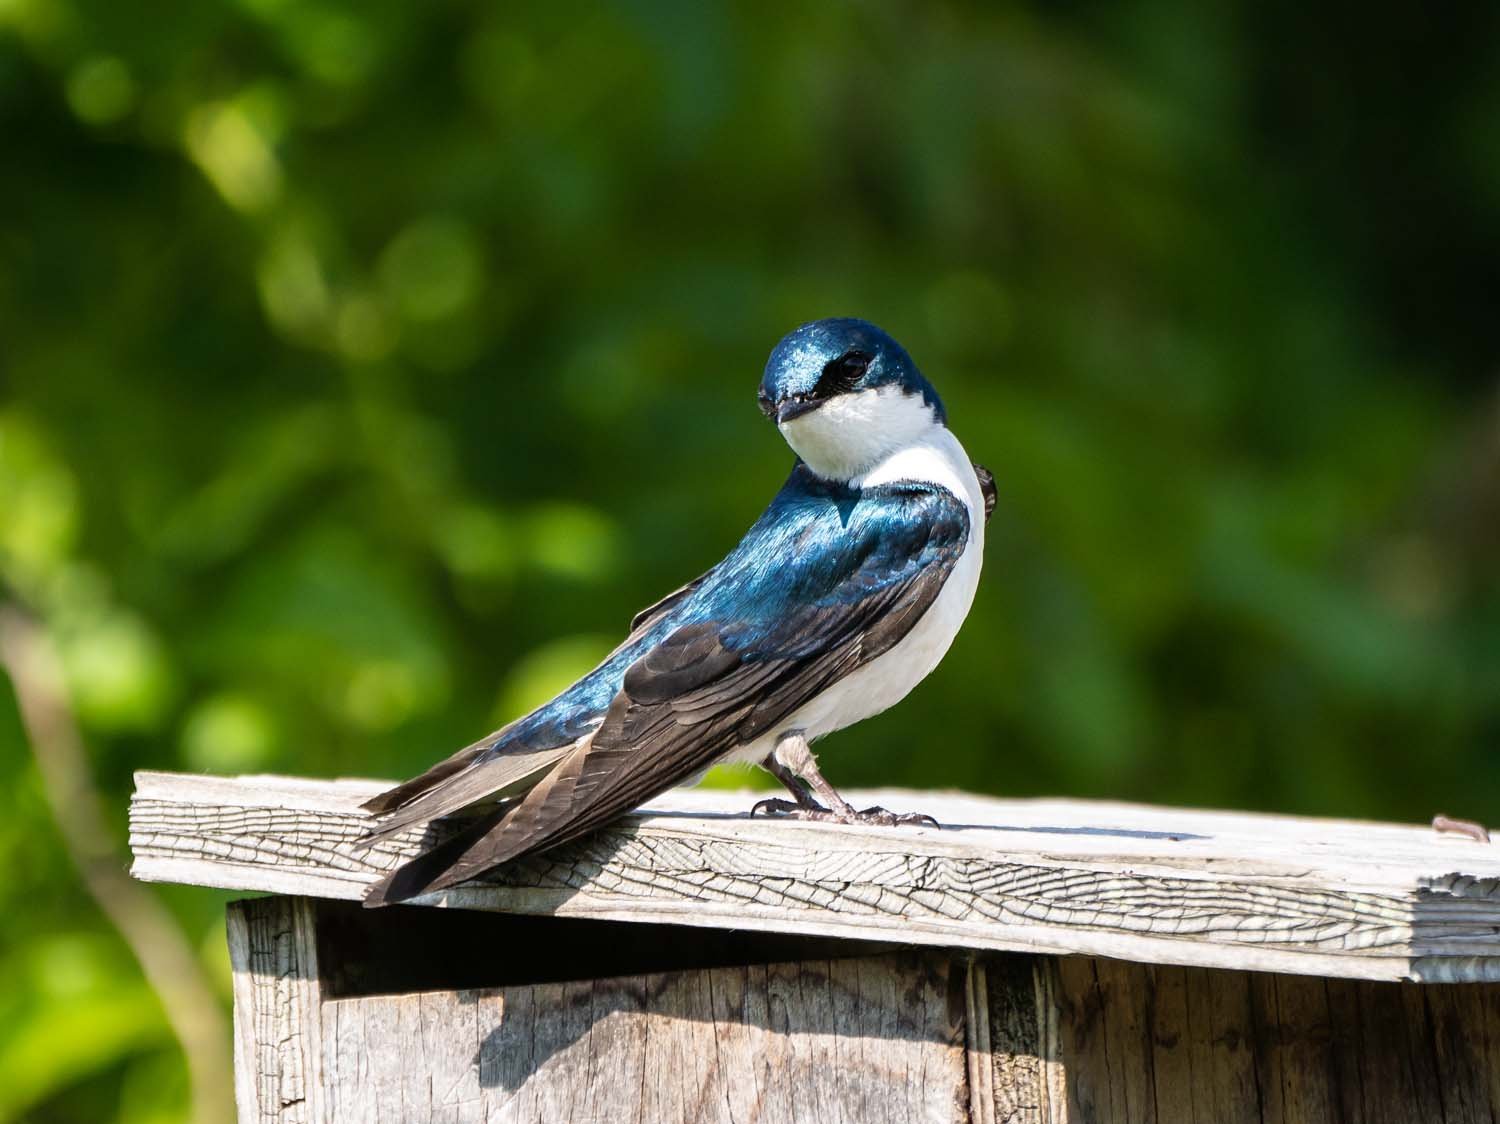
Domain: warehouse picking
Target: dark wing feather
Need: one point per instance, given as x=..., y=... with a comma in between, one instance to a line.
x=777, y=631
x=404, y=793
x=487, y=776
x=987, y=487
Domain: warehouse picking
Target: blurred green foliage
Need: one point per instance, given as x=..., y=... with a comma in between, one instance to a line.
x=365, y=366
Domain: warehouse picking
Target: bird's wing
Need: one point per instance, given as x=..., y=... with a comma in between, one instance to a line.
x=815, y=590
x=488, y=770
x=987, y=489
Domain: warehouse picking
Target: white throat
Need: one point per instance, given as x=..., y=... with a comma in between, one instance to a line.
x=871, y=439
x=849, y=436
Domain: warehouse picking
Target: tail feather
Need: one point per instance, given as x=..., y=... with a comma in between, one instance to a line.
x=480, y=782
x=554, y=811
x=393, y=798
x=423, y=873
x=504, y=834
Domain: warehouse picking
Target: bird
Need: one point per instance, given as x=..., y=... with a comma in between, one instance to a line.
x=842, y=597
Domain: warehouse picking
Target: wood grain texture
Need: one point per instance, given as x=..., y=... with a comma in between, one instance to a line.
x=862, y=1040
x=1373, y=901
x=1015, y=1071
x=277, y=1011
x=914, y=1035
x=1164, y=1045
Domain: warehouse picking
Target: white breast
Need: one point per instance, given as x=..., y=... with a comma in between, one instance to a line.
x=880, y=684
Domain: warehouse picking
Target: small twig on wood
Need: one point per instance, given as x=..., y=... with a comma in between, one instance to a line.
x=152, y=933
x=1475, y=831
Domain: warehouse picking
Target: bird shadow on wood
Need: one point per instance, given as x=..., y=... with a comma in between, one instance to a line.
x=773, y=1016
x=945, y=826
x=543, y=987
x=1104, y=832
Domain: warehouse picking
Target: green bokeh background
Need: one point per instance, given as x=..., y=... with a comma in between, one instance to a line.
x=364, y=366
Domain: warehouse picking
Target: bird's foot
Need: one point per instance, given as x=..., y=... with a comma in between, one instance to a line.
x=847, y=815
x=775, y=806
x=886, y=818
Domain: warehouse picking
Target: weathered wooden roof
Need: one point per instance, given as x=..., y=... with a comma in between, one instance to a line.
x=1154, y=885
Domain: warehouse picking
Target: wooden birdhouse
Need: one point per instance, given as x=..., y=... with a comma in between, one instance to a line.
x=1032, y=962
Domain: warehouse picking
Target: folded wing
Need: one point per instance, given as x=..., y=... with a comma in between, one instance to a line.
x=824, y=583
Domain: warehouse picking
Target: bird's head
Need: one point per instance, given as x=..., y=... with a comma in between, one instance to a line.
x=845, y=395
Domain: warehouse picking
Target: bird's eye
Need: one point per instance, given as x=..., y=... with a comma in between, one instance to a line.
x=840, y=375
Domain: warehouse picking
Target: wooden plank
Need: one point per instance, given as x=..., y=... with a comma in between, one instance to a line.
x=1128, y=994
x=870, y=1039
x=1486, y=1037
x=1014, y=1068
x=1169, y=886
x=1195, y=1046
x=273, y=957
x=1171, y=1030
x=1456, y=1021
x=246, y=1067
x=1085, y=1048
x=1236, y=1096
x=1294, y=1027
x=983, y=1054
x=1054, y=1087
x=914, y=1035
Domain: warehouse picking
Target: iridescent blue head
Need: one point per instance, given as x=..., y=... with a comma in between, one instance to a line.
x=846, y=396
x=825, y=359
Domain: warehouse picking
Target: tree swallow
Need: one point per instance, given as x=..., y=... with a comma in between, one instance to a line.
x=842, y=597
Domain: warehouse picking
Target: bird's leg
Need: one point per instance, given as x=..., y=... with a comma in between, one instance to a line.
x=805, y=807
x=796, y=756
x=794, y=785
x=793, y=764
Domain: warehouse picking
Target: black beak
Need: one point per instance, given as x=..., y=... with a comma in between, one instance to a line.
x=795, y=408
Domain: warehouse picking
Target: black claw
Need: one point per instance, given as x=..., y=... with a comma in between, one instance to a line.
x=917, y=819
x=772, y=805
